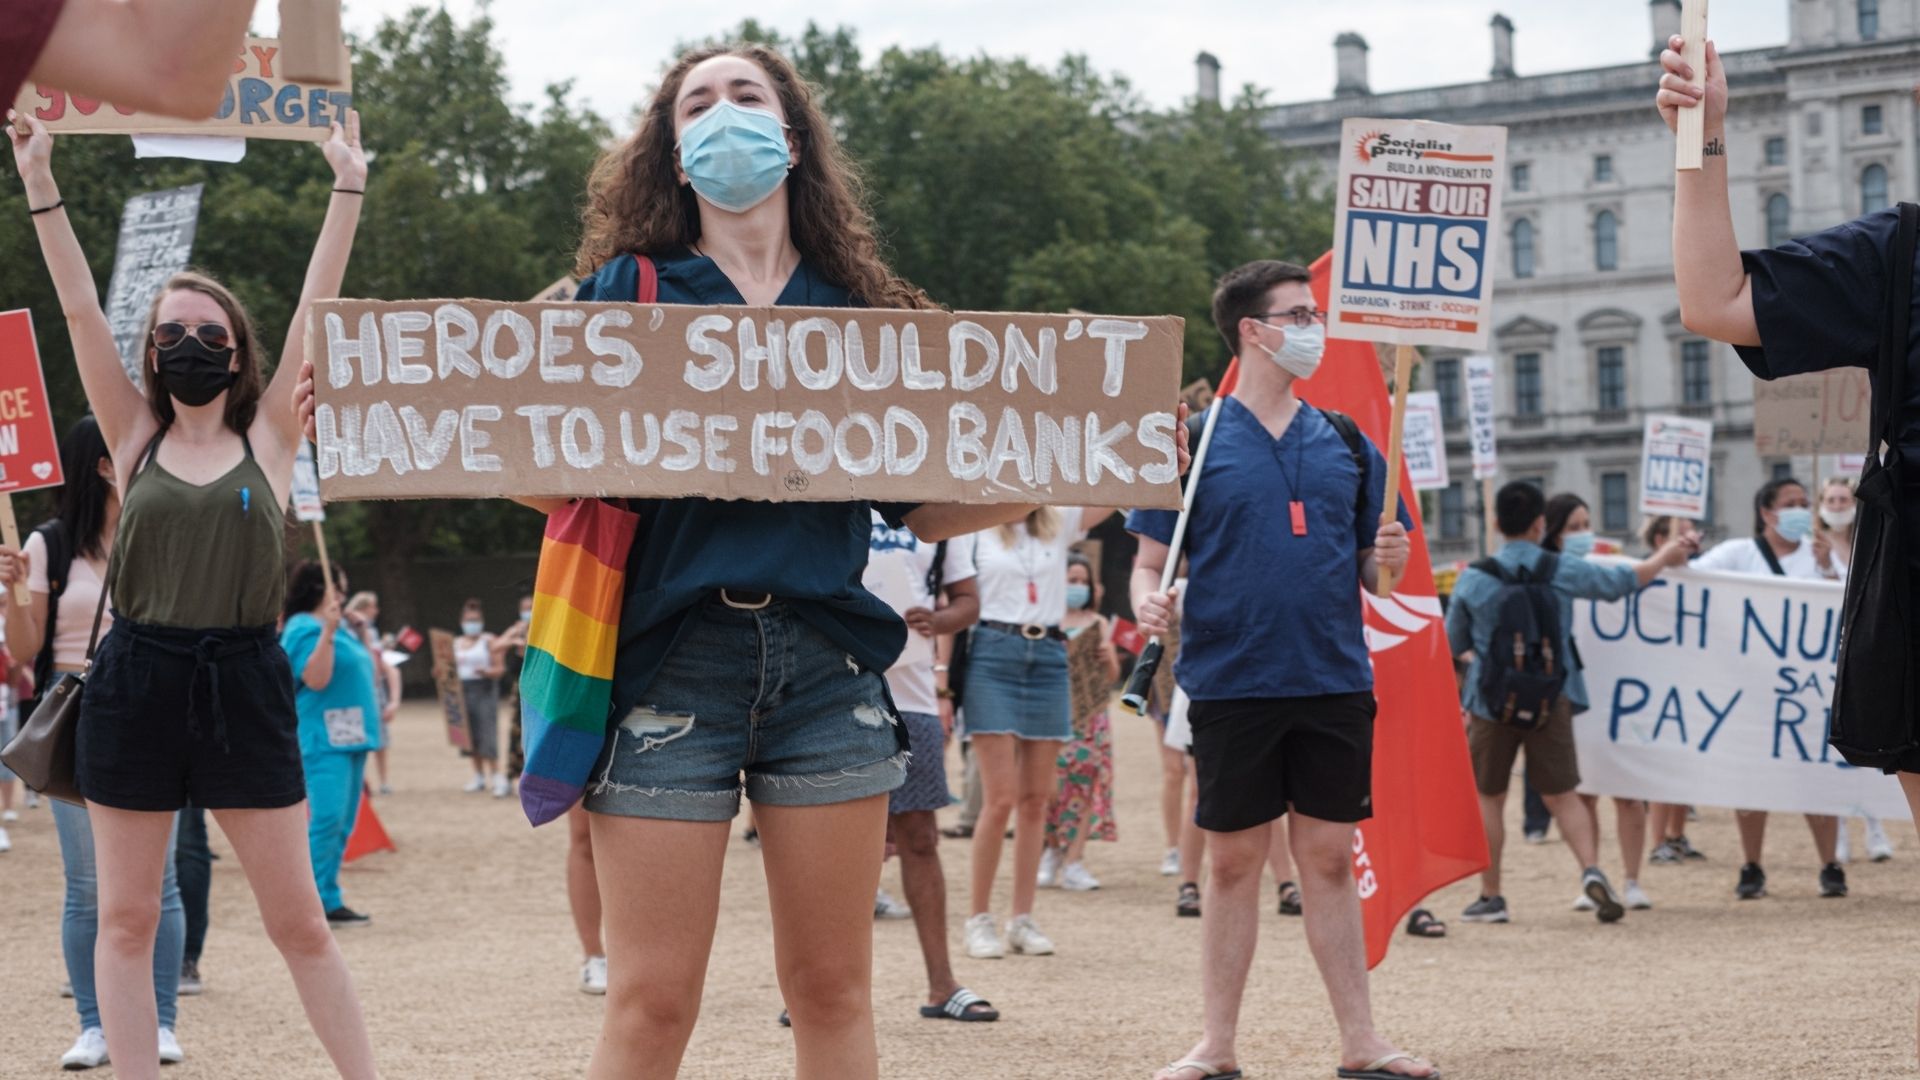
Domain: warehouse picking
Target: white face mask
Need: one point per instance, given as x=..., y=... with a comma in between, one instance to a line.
x=472, y=628
x=1301, y=353
x=1839, y=519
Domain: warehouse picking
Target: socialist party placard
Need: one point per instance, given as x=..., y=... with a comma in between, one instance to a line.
x=1675, y=460
x=1415, y=232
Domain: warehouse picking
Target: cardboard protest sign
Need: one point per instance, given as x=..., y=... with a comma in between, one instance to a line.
x=1091, y=691
x=312, y=49
x=1712, y=689
x=156, y=241
x=1826, y=412
x=29, y=449
x=1675, y=463
x=1486, y=450
x=307, y=505
x=446, y=682
x=1423, y=441
x=479, y=399
x=1416, y=227
x=261, y=102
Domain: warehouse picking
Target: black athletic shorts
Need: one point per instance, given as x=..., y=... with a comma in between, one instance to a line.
x=172, y=715
x=1257, y=758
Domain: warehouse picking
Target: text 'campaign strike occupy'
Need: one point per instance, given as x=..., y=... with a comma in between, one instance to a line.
x=472, y=398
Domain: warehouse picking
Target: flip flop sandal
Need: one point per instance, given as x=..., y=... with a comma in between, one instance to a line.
x=1289, y=898
x=1207, y=1071
x=964, y=1006
x=1422, y=924
x=1379, y=1071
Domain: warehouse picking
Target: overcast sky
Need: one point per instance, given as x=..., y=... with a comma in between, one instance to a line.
x=614, y=49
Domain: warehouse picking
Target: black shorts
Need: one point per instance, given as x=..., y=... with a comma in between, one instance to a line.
x=172, y=716
x=1257, y=758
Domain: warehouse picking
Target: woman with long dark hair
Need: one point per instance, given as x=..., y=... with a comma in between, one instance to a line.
x=63, y=564
x=190, y=696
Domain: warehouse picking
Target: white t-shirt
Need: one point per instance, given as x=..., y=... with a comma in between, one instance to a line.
x=1741, y=555
x=73, y=622
x=1026, y=584
x=472, y=661
x=898, y=563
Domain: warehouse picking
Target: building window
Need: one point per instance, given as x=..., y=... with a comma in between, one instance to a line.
x=1777, y=150
x=1446, y=380
x=1696, y=373
x=1779, y=214
x=1603, y=168
x=1526, y=385
x=1453, y=512
x=1612, y=380
x=1780, y=470
x=1869, y=19
x=1814, y=124
x=1873, y=189
x=1872, y=120
x=1523, y=177
x=1614, y=517
x=1523, y=248
x=1606, y=240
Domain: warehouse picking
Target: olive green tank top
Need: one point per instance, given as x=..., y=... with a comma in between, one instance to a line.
x=200, y=556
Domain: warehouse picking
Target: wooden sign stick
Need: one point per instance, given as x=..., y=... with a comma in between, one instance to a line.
x=326, y=568
x=1403, y=359
x=10, y=532
x=1690, y=134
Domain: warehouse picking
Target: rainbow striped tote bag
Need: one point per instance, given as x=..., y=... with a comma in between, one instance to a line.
x=566, y=688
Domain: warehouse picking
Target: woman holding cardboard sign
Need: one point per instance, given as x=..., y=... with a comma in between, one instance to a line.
x=191, y=696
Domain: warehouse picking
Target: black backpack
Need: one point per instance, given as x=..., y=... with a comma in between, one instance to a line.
x=1349, y=431
x=59, y=562
x=1524, y=672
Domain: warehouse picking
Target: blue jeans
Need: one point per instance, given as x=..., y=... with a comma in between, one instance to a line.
x=80, y=920
x=193, y=860
x=333, y=802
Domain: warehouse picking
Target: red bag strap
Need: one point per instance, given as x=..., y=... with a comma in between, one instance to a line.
x=647, y=289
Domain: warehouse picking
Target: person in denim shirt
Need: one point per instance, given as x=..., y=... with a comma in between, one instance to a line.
x=1552, y=765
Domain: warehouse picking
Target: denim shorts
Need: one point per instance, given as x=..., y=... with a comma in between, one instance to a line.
x=759, y=693
x=1017, y=686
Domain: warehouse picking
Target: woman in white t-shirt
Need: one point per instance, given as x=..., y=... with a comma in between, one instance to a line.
x=89, y=511
x=1781, y=547
x=479, y=658
x=1019, y=711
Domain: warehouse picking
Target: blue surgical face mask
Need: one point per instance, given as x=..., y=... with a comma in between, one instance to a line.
x=1079, y=596
x=1795, y=523
x=735, y=157
x=1576, y=545
x=473, y=627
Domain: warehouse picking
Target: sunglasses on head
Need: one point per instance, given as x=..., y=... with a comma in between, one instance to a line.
x=214, y=336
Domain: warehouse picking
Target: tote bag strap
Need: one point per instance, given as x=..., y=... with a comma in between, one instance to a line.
x=113, y=558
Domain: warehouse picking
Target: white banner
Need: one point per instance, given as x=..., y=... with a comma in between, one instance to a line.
x=1713, y=689
x=1486, y=452
x=1423, y=441
x=1675, y=465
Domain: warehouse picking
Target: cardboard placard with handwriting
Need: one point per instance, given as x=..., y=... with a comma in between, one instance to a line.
x=481, y=399
x=1829, y=412
x=446, y=682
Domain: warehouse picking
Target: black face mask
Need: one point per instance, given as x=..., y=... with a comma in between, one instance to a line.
x=194, y=374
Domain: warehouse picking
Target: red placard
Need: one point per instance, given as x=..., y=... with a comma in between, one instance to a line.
x=29, y=451
x=1127, y=637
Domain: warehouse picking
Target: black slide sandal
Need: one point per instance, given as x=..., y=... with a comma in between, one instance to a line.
x=1422, y=924
x=964, y=1006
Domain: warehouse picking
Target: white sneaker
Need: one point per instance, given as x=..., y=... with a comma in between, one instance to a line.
x=9, y=816
x=1635, y=897
x=502, y=787
x=385, y=789
x=6, y=842
x=1842, y=852
x=1049, y=869
x=170, y=1052
x=886, y=907
x=33, y=799
x=983, y=941
x=1170, y=863
x=1077, y=878
x=1879, y=846
x=89, y=1051
x=593, y=975
x=1584, y=903
x=475, y=785
x=1024, y=937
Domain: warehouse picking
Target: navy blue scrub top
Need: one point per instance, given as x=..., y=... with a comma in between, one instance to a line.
x=812, y=554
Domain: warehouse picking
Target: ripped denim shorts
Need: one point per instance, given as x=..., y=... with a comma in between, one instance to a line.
x=754, y=692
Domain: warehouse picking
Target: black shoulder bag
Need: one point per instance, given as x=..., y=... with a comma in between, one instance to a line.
x=1873, y=724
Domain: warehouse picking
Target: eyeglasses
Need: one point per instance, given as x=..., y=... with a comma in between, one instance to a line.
x=214, y=336
x=1300, y=317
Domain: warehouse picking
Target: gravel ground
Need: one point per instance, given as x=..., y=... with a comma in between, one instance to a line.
x=469, y=967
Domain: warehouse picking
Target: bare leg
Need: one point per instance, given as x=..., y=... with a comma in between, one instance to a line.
x=1493, y=811
x=1910, y=783
x=823, y=864
x=1039, y=778
x=1630, y=816
x=1279, y=858
x=1576, y=826
x=130, y=850
x=380, y=765
x=1229, y=930
x=916, y=836
x=656, y=967
x=1000, y=787
x=1753, y=833
x=583, y=888
x=1173, y=780
x=1193, y=839
x=1826, y=836
x=272, y=848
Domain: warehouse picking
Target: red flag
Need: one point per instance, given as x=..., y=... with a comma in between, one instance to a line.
x=368, y=834
x=1426, y=831
x=1127, y=637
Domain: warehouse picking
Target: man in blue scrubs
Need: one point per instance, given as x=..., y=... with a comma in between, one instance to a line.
x=1283, y=536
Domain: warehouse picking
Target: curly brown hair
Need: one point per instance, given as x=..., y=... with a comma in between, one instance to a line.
x=243, y=397
x=636, y=204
